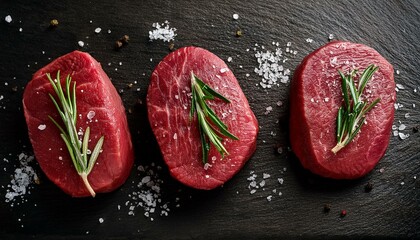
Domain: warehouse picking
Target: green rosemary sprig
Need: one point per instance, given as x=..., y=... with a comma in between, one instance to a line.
x=78, y=150
x=352, y=114
x=211, y=128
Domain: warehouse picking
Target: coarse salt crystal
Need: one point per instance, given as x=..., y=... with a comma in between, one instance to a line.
x=81, y=43
x=229, y=59
x=42, y=127
x=98, y=30
x=280, y=180
x=309, y=40
x=252, y=191
x=266, y=175
x=101, y=220
x=402, y=127
x=91, y=115
x=403, y=136
x=235, y=16
x=8, y=19
x=269, y=198
x=400, y=86
x=331, y=37
x=207, y=166
x=175, y=136
x=145, y=179
x=223, y=70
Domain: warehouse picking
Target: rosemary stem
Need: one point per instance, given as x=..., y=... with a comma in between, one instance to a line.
x=337, y=147
x=67, y=109
x=84, y=177
x=352, y=114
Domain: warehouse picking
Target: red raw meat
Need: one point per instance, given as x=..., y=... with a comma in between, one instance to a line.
x=169, y=101
x=315, y=97
x=94, y=92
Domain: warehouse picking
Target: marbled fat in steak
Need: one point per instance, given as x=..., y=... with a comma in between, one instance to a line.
x=169, y=101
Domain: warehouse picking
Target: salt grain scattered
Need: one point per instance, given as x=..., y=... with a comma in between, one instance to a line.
x=235, y=16
x=162, y=32
x=309, y=40
x=98, y=30
x=42, y=127
x=81, y=43
x=22, y=180
x=331, y=37
x=147, y=193
x=270, y=66
x=268, y=110
x=101, y=220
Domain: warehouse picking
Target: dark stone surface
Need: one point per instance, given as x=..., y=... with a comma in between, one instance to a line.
x=389, y=210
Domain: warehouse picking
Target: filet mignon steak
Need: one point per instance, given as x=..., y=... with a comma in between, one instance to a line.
x=99, y=106
x=315, y=98
x=169, y=102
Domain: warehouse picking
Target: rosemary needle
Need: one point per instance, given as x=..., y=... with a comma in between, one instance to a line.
x=211, y=128
x=352, y=114
x=78, y=150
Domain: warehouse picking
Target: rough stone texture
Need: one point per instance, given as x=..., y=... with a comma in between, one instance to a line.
x=390, y=27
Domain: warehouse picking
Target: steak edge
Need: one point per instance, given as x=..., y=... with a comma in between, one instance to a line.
x=99, y=106
x=169, y=101
x=315, y=97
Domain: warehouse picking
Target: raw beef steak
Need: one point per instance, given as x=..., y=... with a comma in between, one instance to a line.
x=99, y=106
x=169, y=102
x=315, y=98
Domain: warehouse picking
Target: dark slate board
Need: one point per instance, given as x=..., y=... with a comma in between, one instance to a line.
x=390, y=210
